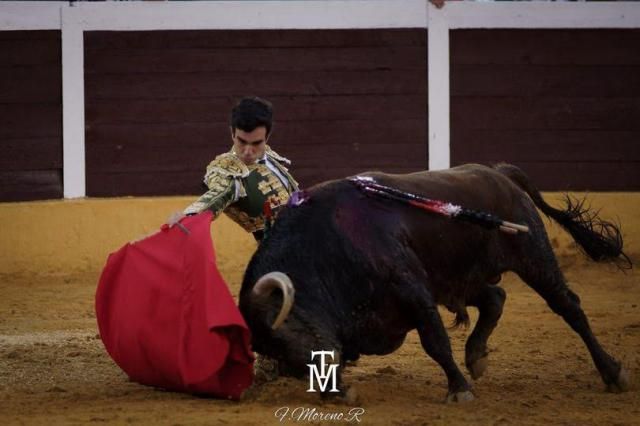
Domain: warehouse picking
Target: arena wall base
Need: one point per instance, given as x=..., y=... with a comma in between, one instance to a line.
x=76, y=236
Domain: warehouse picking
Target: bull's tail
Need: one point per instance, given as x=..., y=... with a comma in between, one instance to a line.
x=601, y=240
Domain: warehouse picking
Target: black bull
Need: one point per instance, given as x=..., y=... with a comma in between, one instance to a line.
x=367, y=270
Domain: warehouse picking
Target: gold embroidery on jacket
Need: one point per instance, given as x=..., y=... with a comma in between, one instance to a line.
x=225, y=178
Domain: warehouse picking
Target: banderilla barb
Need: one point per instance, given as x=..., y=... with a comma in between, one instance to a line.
x=486, y=220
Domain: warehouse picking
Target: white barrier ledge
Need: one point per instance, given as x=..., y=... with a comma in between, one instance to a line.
x=30, y=15
x=230, y=15
x=470, y=14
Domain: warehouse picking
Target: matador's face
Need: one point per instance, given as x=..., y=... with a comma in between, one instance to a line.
x=249, y=146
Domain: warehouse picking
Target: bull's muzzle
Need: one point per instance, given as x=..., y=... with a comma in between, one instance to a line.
x=267, y=283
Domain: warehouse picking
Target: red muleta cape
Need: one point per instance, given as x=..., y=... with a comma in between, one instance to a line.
x=167, y=318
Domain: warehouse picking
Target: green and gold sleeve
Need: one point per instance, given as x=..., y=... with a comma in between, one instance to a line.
x=221, y=193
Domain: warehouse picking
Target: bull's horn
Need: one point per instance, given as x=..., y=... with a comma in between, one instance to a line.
x=267, y=283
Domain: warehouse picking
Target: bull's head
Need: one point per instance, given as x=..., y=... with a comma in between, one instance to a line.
x=289, y=345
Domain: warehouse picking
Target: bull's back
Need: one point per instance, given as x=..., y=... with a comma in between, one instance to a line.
x=382, y=230
x=473, y=186
x=446, y=247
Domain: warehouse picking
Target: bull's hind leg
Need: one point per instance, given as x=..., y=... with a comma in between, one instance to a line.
x=547, y=280
x=489, y=301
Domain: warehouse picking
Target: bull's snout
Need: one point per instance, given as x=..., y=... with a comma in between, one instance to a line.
x=267, y=283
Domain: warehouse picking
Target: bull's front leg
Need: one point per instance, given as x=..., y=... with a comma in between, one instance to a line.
x=435, y=341
x=325, y=375
x=418, y=303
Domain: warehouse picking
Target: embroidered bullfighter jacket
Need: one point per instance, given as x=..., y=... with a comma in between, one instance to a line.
x=240, y=190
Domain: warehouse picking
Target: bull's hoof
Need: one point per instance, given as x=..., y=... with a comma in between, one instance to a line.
x=621, y=384
x=464, y=396
x=348, y=396
x=265, y=369
x=351, y=396
x=478, y=368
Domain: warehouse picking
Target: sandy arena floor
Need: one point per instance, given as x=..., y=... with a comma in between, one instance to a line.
x=54, y=370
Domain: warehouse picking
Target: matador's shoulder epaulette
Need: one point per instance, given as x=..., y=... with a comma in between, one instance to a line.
x=227, y=165
x=271, y=153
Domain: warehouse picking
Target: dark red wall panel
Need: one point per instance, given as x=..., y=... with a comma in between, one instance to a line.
x=562, y=104
x=157, y=103
x=30, y=115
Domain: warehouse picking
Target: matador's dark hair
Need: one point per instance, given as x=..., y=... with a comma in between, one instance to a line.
x=252, y=112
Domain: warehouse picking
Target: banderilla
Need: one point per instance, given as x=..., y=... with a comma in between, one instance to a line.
x=443, y=208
